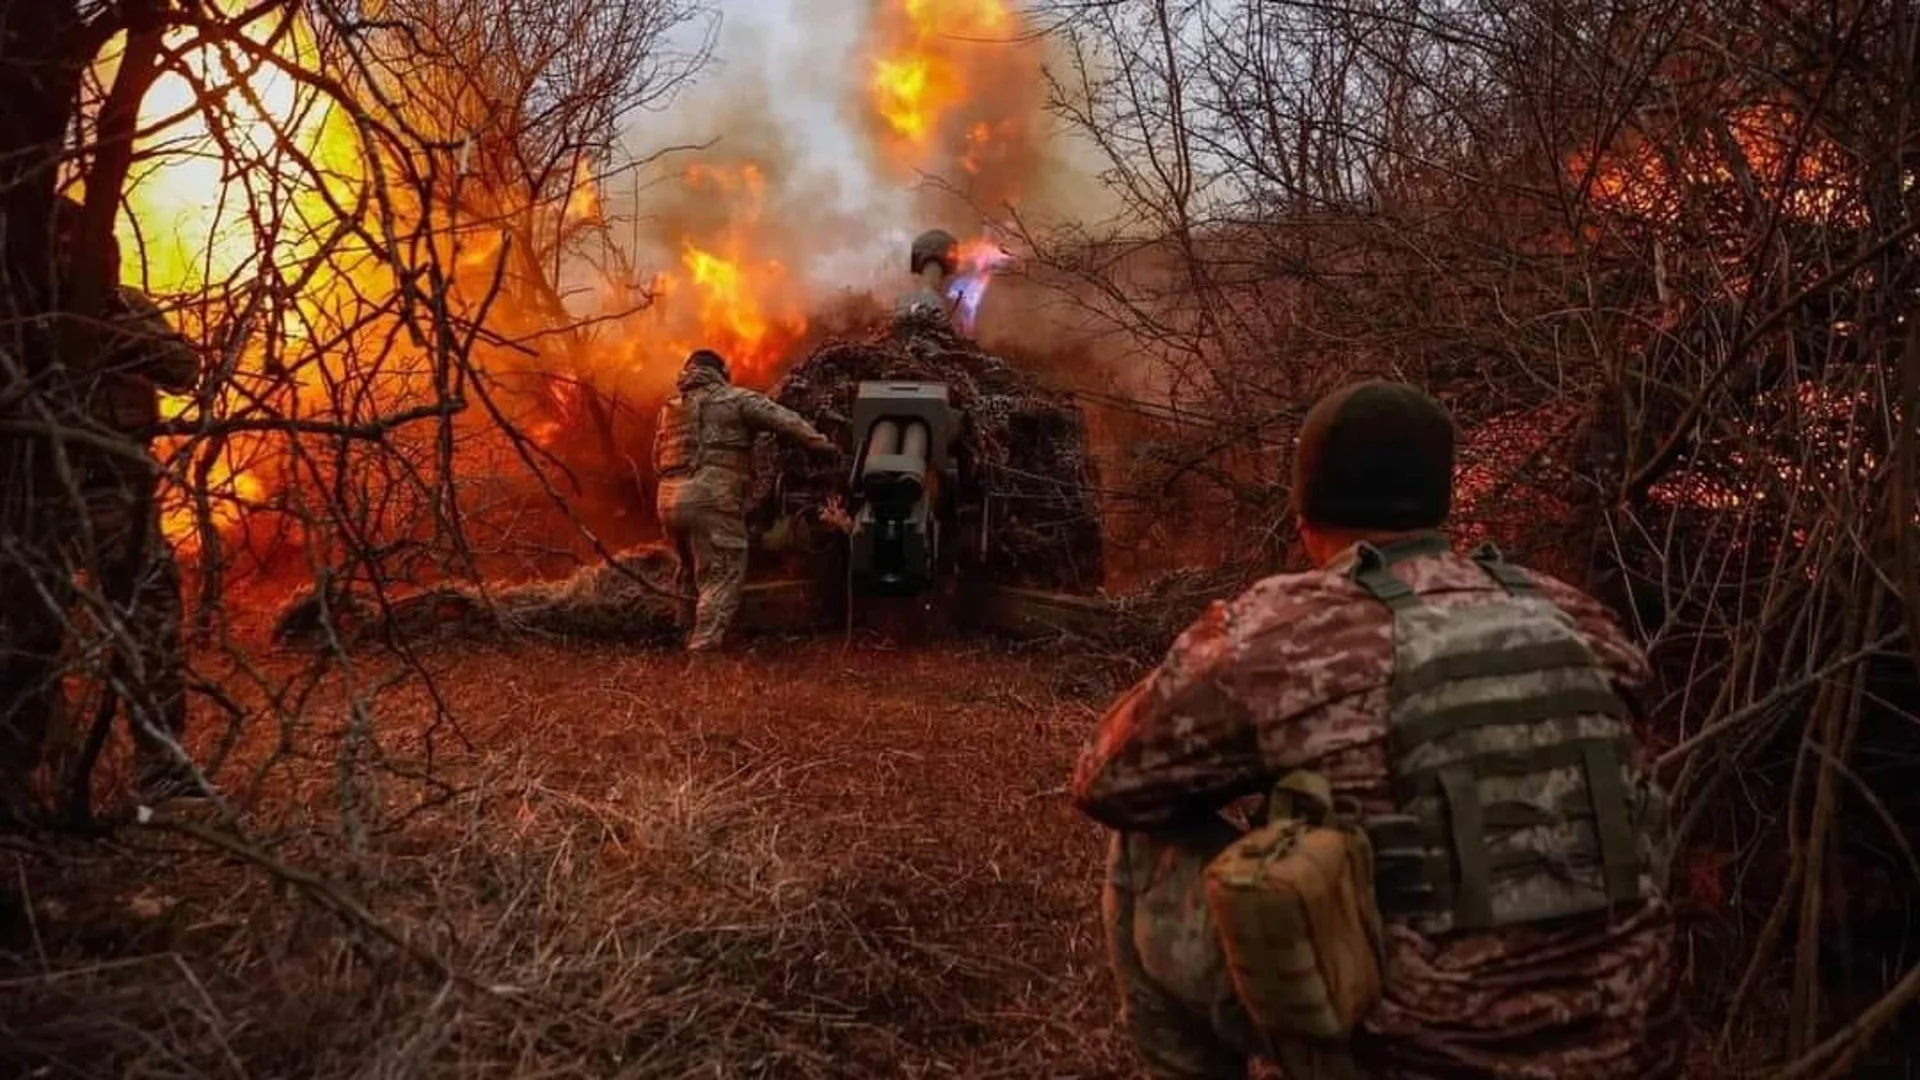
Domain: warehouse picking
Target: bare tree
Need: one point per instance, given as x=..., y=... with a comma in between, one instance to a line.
x=1655, y=257
x=401, y=211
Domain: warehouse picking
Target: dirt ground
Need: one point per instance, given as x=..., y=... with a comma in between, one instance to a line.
x=814, y=860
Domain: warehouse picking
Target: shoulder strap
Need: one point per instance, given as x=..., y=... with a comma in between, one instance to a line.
x=1510, y=577
x=1373, y=568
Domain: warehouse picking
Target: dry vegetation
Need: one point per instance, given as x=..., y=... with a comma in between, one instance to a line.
x=811, y=861
x=1660, y=257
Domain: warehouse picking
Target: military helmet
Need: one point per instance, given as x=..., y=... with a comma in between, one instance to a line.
x=935, y=246
x=707, y=358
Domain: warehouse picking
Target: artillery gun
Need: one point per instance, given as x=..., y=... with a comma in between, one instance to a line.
x=966, y=497
x=904, y=475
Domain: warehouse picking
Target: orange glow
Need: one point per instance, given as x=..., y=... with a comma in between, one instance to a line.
x=234, y=204
x=583, y=198
x=193, y=228
x=733, y=319
x=1635, y=178
x=922, y=67
x=723, y=298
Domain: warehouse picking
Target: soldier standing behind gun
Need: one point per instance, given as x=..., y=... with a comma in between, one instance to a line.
x=1478, y=709
x=933, y=260
x=702, y=452
x=131, y=565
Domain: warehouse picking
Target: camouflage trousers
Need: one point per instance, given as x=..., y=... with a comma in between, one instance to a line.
x=119, y=603
x=710, y=538
x=1176, y=998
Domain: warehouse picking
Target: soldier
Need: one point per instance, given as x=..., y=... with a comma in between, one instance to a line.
x=129, y=562
x=701, y=453
x=934, y=259
x=1302, y=673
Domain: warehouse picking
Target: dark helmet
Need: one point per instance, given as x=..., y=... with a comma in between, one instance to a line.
x=935, y=246
x=707, y=358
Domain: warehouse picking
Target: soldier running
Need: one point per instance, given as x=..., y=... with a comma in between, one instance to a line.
x=701, y=454
x=1533, y=941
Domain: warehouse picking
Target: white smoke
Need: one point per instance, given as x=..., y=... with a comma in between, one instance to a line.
x=779, y=91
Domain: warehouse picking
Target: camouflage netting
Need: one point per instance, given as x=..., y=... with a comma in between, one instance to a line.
x=1023, y=446
x=629, y=599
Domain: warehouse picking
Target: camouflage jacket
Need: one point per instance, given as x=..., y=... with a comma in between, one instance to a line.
x=1293, y=674
x=704, y=442
x=923, y=303
x=140, y=355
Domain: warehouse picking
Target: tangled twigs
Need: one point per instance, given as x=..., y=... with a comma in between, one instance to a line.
x=1843, y=1048
x=325, y=893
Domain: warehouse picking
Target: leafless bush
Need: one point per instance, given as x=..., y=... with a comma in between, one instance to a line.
x=1657, y=258
x=400, y=186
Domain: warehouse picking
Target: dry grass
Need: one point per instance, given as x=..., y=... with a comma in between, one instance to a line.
x=810, y=862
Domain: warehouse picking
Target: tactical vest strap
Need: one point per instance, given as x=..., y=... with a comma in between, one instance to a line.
x=1505, y=763
x=1511, y=578
x=1571, y=701
x=1374, y=573
x=1473, y=890
x=1619, y=852
x=1438, y=671
x=1373, y=567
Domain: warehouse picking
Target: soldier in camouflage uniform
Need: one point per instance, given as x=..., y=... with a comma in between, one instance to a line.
x=1294, y=674
x=701, y=453
x=129, y=563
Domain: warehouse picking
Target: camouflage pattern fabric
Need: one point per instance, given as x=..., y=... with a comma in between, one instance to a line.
x=1176, y=997
x=712, y=547
x=924, y=304
x=702, y=454
x=138, y=577
x=1294, y=674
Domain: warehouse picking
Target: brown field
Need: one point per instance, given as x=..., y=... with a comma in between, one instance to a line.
x=817, y=860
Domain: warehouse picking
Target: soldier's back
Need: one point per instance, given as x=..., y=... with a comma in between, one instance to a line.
x=1593, y=995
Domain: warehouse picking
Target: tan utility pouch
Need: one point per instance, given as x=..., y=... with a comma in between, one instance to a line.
x=1294, y=906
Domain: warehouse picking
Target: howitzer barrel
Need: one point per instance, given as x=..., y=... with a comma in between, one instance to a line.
x=906, y=440
x=894, y=472
x=913, y=442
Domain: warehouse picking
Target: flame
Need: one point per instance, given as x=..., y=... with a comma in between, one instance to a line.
x=723, y=298
x=733, y=320
x=927, y=69
x=938, y=93
x=1634, y=177
x=583, y=197
x=979, y=258
x=214, y=211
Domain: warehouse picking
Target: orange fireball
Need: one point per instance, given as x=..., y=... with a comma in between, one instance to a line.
x=922, y=69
